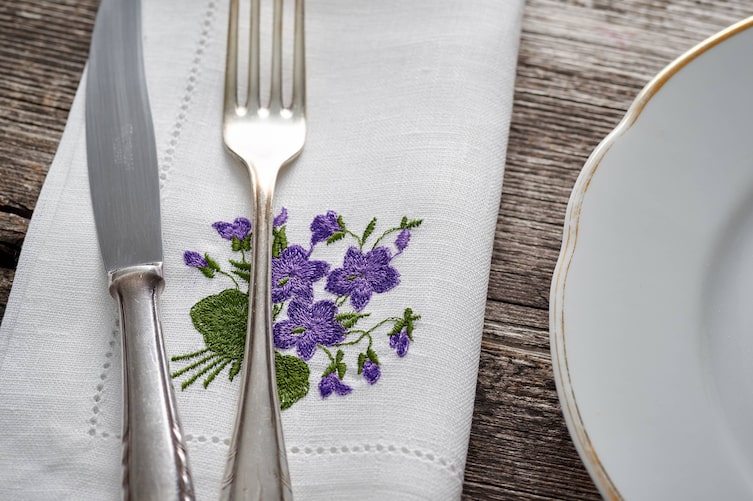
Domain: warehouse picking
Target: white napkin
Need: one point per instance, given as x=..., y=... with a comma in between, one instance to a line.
x=409, y=106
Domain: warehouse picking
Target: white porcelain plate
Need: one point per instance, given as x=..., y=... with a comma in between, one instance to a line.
x=652, y=298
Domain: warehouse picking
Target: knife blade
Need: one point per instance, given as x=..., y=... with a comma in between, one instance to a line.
x=124, y=186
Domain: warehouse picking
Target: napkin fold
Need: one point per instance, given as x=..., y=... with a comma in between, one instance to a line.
x=383, y=244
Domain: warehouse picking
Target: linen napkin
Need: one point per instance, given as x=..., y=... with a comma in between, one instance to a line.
x=384, y=232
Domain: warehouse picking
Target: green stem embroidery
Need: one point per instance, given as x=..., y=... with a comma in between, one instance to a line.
x=341, y=300
x=358, y=239
x=391, y=230
x=329, y=353
x=230, y=277
x=214, y=374
x=196, y=376
x=363, y=335
x=194, y=365
x=188, y=356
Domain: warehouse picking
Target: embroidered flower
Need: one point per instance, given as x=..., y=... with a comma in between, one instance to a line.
x=324, y=226
x=308, y=325
x=294, y=274
x=305, y=315
x=240, y=228
x=371, y=372
x=401, y=242
x=362, y=275
x=281, y=218
x=194, y=259
x=332, y=384
x=400, y=343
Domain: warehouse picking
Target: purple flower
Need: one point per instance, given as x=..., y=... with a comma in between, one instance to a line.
x=239, y=228
x=281, y=218
x=194, y=259
x=400, y=343
x=371, y=372
x=362, y=275
x=294, y=274
x=324, y=226
x=401, y=242
x=332, y=384
x=308, y=325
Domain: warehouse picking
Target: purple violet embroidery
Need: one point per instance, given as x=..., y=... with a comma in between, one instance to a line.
x=294, y=274
x=308, y=325
x=400, y=343
x=240, y=228
x=281, y=218
x=324, y=226
x=320, y=321
x=362, y=275
x=194, y=259
x=332, y=384
x=371, y=372
x=401, y=242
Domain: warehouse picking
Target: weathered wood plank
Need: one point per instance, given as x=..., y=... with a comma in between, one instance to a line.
x=521, y=448
x=43, y=49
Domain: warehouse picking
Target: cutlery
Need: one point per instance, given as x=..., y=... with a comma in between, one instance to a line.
x=124, y=184
x=265, y=135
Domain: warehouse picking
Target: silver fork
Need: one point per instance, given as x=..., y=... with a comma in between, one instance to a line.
x=265, y=136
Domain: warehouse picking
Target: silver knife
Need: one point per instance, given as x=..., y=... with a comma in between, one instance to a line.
x=124, y=184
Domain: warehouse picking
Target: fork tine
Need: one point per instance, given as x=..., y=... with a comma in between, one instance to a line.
x=253, y=98
x=299, y=61
x=231, y=61
x=275, y=89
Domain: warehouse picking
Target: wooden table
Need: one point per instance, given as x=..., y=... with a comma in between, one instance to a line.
x=581, y=64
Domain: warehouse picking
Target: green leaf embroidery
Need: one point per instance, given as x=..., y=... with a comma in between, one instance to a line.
x=369, y=230
x=240, y=265
x=292, y=379
x=243, y=275
x=237, y=245
x=280, y=242
x=241, y=245
x=361, y=360
x=405, y=224
x=221, y=319
x=211, y=263
x=338, y=235
x=409, y=318
x=349, y=320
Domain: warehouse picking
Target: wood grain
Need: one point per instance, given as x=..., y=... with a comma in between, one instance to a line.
x=43, y=48
x=581, y=63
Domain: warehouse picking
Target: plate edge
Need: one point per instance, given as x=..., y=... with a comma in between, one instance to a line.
x=565, y=390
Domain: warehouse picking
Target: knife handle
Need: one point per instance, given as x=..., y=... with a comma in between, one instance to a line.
x=155, y=463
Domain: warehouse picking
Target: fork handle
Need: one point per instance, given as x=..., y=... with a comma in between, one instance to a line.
x=257, y=467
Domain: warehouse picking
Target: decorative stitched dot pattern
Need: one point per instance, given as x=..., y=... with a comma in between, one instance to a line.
x=166, y=162
x=105, y=369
